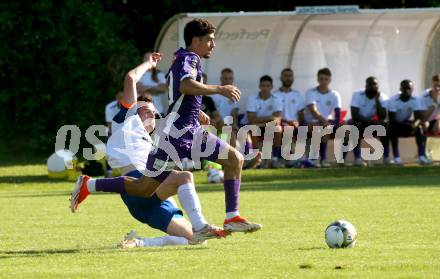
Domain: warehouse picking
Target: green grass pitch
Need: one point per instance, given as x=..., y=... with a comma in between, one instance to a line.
x=396, y=212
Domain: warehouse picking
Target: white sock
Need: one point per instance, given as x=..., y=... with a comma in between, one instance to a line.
x=191, y=205
x=163, y=241
x=91, y=185
x=232, y=214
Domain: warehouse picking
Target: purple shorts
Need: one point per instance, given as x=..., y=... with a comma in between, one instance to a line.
x=196, y=144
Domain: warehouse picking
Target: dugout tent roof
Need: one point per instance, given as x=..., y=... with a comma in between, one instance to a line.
x=390, y=44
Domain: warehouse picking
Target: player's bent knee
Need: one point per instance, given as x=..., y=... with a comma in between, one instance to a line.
x=236, y=158
x=187, y=177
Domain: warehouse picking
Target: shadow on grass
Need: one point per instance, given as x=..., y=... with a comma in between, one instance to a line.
x=22, y=179
x=100, y=250
x=6, y=195
x=21, y=160
x=304, y=174
x=335, y=183
x=312, y=248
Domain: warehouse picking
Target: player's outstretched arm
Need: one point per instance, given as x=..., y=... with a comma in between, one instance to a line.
x=191, y=87
x=133, y=76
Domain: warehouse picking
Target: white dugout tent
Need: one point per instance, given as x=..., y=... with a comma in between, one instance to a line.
x=390, y=44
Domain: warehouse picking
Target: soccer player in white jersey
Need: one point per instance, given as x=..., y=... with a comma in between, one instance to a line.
x=262, y=109
x=431, y=111
x=401, y=108
x=368, y=107
x=129, y=148
x=293, y=102
x=323, y=108
x=227, y=108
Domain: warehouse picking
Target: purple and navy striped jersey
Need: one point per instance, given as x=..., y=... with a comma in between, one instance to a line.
x=186, y=65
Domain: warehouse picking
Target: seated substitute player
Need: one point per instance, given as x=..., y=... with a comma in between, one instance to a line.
x=227, y=107
x=321, y=103
x=431, y=110
x=293, y=101
x=128, y=148
x=400, y=109
x=262, y=109
x=368, y=107
x=187, y=90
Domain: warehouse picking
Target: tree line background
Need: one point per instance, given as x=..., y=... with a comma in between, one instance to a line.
x=62, y=61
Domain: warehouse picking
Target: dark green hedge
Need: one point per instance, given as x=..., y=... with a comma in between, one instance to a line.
x=59, y=64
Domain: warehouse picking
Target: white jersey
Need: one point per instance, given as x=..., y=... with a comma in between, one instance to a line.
x=129, y=144
x=403, y=110
x=264, y=108
x=159, y=100
x=367, y=106
x=427, y=101
x=111, y=109
x=293, y=103
x=223, y=105
x=325, y=103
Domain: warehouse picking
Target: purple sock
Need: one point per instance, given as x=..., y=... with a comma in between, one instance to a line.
x=421, y=149
x=232, y=193
x=323, y=151
x=112, y=185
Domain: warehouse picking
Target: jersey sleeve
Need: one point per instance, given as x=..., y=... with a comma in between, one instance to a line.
x=189, y=67
x=338, y=102
x=278, y=105
x=301, y=102
x=391, y=105
x=418, y=104
x=355, y=100
x=310, y=98
x=424, y=103
x=251, y=105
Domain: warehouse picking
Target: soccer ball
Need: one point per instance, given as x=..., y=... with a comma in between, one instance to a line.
x=215, y=176
x=340, y=234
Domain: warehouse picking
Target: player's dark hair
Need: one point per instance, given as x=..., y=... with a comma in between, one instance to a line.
x=405, y=82
x=266, y=78
x=145, y=98
x=286, y=70
x=370, y=79
x=436, y=78
x=227, y=70
x=325, y=71
x=198, y=27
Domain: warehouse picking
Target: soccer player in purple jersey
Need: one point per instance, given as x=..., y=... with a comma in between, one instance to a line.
x=187, y=89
